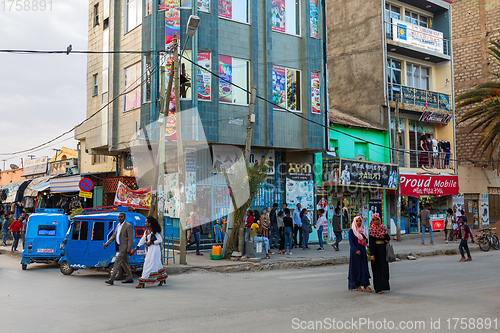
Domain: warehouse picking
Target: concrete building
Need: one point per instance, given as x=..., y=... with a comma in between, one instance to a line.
x=475, y=24
x=278, y=45
x=383, y=52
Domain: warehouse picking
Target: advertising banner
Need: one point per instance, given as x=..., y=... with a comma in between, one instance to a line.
x=170, y=124
x=263, y=156
x=417, y=185
x=315, y=93
x=435, y=117
x=313, y=18
x=139, y=199
x=416, y=35
x=363, y=173
x=484, y=210
x=204, y=77
x=225, y=157
x=299, y=185
x=204, y=6
x=331, y=172
x=225, y=72
x=278, y=15
x=35, y=166
x=279, y=86
x=226, y=9
x=57, y=168
x=172, y=205
x=190, y=175
x=172, y=18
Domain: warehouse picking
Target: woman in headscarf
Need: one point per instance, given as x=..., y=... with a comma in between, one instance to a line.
x=378, y=238
x=359, y=276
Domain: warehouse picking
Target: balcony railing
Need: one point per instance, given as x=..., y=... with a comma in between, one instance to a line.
x=423, y=38
x=424, y=159
x=419, y=97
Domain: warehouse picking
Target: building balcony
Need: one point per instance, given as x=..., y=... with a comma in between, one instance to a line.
x=415, y=159
x=417, y=42
x=418, y=99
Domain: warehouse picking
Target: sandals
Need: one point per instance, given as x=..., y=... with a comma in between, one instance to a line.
x=359, y=289
x=380, y=292
x=368, y=289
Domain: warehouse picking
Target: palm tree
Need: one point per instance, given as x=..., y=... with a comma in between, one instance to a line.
x=485, y=112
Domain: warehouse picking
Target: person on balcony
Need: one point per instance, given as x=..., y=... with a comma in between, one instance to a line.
x=423, y=160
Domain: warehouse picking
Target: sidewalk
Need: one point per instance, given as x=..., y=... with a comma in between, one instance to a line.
x=410, y=244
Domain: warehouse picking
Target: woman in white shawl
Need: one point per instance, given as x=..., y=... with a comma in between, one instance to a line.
x=153, y=268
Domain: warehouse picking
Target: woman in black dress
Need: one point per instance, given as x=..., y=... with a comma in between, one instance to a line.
x=378, y=238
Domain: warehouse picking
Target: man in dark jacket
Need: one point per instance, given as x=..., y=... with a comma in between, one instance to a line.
x=274, y=227
x=465, y=233
x=123, y=238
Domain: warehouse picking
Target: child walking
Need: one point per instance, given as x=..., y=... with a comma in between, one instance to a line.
x=465, y=233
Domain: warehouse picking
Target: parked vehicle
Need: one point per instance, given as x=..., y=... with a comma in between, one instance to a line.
x=83, y=244
x=44, y=235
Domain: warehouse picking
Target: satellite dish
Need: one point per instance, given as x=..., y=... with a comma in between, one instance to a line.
x=14, y=166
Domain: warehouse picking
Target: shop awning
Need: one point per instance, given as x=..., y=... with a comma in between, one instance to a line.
x=37, y=185
x=15, y=191
x=65, y=184
x=418, y=185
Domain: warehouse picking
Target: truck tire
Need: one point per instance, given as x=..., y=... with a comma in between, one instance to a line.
x=65, y=268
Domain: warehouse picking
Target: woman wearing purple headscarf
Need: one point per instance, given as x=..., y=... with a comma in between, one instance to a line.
x=359, y=276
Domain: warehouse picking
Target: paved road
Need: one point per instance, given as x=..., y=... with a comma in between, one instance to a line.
x=41, y=299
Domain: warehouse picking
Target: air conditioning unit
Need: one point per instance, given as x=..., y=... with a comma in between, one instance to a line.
x=359, y=157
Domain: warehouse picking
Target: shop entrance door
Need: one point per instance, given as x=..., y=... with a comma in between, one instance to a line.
x=413, y=211
x=471, y=212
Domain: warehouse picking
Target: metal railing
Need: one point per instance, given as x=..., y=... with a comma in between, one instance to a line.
x=419, y=97
x=424, y=159
x=445, y=42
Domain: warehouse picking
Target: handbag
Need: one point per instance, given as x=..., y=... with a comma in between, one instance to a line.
x=389, y=253
x=192, y=239
x=153, y=238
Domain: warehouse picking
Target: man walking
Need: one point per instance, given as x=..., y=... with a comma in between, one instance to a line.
x=195, y=230
x=424, y=216
x=123, y=237
x=465, y=233
x=297, y=226
x=5, y=229
x=337, y=229
x=274, y=227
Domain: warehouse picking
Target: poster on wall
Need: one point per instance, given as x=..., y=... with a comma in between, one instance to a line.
x=172, y=206
x=132, y=79
x=484, y=210
x=190, y=175
x=279, y=86
x=362, y=173
x=278, y=15
x=315, y=93
x=225, y=72
x=226, y=9
x=458, y=204
x=225, y=157
x=204, y=77
x=322, y=203
x=204, y=6
x=299, y=185
x=172, y=18
x=139, y=199
x=313, y=17
x=374, y=204
x=170, y=124
x=263, y=156
x=331, y=172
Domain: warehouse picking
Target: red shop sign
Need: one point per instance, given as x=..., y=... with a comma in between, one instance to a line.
x=417, y=185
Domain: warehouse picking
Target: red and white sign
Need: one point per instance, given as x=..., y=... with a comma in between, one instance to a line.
x=437, y=225
x=417, y=185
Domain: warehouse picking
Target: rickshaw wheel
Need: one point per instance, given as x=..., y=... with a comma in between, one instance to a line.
x=24, y=266
x=65, y=268
x=119, y=275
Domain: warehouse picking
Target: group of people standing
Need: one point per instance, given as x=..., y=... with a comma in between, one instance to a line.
x=284, y=229
x=435, y=153
x=376, y=240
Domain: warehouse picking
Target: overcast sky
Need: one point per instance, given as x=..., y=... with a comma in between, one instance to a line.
x=41, y=96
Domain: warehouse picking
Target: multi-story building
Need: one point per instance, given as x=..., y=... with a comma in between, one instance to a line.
x=389, y=54
x=277, y=45
x=475, y=24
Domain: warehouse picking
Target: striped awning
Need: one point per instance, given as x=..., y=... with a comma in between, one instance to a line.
x=65, y=184
x=37, y=185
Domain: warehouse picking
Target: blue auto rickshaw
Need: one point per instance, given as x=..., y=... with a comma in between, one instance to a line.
x=83, y=244
x=45, y=232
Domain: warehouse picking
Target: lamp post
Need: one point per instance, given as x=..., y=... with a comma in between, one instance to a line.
x=192, y=26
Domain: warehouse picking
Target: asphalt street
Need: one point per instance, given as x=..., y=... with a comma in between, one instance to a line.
x=424, y=291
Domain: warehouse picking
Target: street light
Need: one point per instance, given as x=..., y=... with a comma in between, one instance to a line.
x=192, y=26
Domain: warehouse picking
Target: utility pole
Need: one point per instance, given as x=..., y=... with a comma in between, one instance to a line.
x=161, y=145
x=398, y=193
x=181, y=161
x=250, y=121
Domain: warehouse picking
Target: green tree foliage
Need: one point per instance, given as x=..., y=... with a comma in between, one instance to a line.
x=484, y=115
